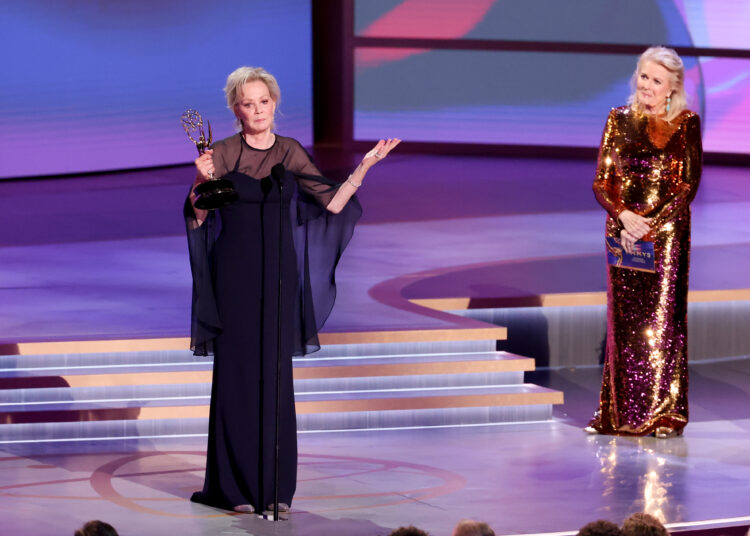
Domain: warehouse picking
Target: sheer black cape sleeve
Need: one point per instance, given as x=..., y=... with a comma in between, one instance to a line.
x=205, y=324
x=320, y=238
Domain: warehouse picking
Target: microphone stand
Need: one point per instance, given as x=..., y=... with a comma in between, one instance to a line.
x=277, y=172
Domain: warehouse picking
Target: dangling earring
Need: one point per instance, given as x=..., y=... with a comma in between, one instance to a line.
x=669, y=102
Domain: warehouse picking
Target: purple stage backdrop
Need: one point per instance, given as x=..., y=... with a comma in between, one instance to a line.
x=92, y=85
x=541, y=98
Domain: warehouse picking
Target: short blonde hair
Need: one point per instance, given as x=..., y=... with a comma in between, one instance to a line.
x=241, y=76
x=667, y=58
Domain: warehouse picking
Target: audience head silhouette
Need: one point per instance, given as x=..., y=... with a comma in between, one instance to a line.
x=600, y=527
x=96, y=528
x=408, y=531
x=469, y=527
x=643, y=524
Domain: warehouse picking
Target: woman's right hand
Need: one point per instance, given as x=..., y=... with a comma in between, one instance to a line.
x=637, y=226
x=205, y=165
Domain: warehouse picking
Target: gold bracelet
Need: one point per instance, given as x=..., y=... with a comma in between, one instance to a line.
x=349, y=180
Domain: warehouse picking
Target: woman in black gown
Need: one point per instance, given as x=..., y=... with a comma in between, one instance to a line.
x=234, y=256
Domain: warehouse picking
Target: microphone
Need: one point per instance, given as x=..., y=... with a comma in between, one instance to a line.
x=277, y=172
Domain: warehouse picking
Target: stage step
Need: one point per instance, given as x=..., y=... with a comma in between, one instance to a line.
x=101, y=363
x=102, y=430
x=196, y=403
x=40, y=372
x=353, y=387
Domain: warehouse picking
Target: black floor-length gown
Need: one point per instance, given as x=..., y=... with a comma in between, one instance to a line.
x=235, y=264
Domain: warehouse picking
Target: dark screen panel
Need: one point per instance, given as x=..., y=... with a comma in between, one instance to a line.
x=540, y=98
x=526, y=98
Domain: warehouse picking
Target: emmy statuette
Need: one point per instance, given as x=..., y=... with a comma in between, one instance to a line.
x=213, y=193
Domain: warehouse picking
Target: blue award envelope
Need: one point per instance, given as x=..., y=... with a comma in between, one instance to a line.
x=642, y=257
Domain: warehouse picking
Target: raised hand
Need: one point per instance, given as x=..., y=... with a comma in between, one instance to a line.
x=380, y=151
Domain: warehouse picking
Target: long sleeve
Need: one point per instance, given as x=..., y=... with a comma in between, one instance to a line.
x=606, y=169
x=201, y=236
x=320, y=238
x=684, y=192
x=205, y=324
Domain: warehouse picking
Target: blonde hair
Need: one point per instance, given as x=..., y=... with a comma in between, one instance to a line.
x=667, y=58
x=241, y=76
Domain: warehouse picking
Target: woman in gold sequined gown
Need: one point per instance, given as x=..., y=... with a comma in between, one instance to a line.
x=648, y=172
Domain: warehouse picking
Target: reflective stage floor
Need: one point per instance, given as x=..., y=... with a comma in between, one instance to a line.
x=534, y=478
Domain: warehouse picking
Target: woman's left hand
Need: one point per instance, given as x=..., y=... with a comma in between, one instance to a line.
x=380, y=151
x=627, y=240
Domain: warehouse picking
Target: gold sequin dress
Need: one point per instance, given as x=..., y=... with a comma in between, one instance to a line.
x=651, y=167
